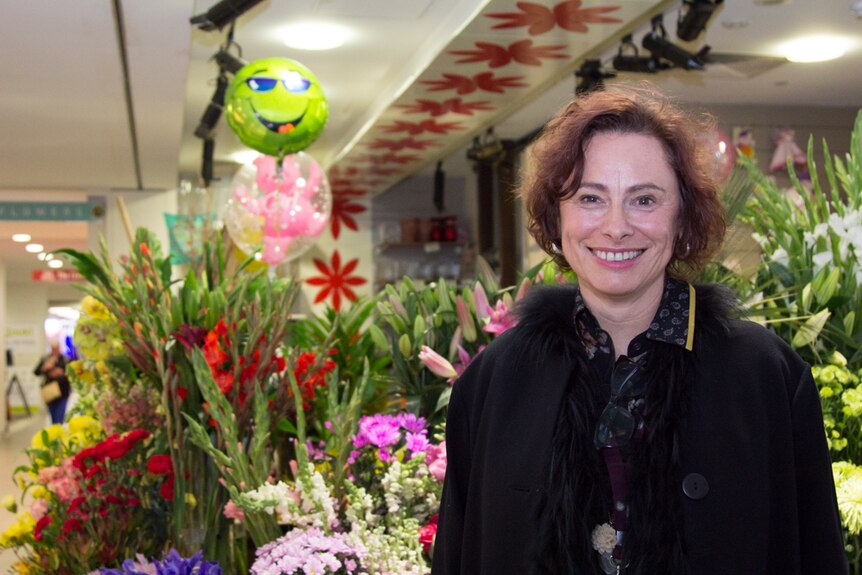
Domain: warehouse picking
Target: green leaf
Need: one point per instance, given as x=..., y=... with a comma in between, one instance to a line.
x=443, y=400
x=378, y=338
x=810, y=330
x=286, y=426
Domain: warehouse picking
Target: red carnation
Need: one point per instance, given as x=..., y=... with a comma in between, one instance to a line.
x=427, y=535
x=160, y=465
x=167, y=488
x=40, y=525
x=72, y=524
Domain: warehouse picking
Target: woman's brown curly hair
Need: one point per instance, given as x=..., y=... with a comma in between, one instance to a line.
x=557, y=161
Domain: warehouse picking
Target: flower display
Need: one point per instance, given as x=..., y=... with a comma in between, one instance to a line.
x=87, y=500
x=171, y=564
x=310, y=551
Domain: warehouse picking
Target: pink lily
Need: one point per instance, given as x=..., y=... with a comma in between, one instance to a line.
x=483, y=308
x=501, y=319
x=437, y=363
x=465, y=358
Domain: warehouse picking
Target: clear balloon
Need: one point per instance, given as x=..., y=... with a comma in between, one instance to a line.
x=278, y=210
x=722, y=154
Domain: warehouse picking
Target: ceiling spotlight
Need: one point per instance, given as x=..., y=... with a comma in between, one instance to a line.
x=34, y=248
x=21, y=238
x=55, y=264
x=213, y=112
x=693, y=17
x=592, y=77
x=628, y=59
x=487, y=149
x=222, y=13
x=657, y=43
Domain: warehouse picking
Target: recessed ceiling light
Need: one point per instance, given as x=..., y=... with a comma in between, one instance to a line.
x=314, y=36
x=55, y=264
x=21, y=238
x=815, y=48
x=34, y=248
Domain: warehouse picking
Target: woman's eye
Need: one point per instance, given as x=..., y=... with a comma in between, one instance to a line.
x=645, y=201
x=588, y=199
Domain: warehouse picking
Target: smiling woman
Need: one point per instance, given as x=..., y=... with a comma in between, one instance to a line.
x=627, y=422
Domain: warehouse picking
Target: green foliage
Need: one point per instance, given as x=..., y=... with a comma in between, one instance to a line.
x=812, y=243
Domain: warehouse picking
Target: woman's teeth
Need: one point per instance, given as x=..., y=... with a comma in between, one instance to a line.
x=617, y=256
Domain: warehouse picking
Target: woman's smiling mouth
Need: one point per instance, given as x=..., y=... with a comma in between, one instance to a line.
x=616, y=256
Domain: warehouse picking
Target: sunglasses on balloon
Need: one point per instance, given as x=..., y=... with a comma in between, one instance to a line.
x=293, y=82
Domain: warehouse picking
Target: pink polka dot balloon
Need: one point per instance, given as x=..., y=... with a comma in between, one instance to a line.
x=278, y=211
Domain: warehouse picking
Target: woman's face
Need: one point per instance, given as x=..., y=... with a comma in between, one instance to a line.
x=619, y=227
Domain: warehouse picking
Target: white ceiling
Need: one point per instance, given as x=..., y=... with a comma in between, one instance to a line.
x=65, y=122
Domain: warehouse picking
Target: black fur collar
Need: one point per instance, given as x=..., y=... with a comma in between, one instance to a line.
x=577, y=487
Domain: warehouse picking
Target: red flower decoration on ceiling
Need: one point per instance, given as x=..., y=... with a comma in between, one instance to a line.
x=403, y=143
x=386, y=159
x=453, y=105
x=342, y=212
x=347, y=189
x=521, y=51
x=465, y=85
x=418, y=128
x=567, y=15
x=335, y=281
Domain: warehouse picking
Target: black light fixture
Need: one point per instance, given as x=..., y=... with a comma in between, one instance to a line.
x=592, y=77
x=207, y=161
x=657, y=43
x=222, y=13
x=487, y=149
x=212, y=114
x=227, y=62
x=628, y=59
x=440, y=188
x=693, y=17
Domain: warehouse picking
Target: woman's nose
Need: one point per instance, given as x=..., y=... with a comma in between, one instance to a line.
x=615, y=222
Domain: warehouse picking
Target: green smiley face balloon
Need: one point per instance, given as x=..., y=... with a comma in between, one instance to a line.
x=276, y=106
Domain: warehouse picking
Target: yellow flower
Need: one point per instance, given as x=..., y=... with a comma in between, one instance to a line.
x=85, y=424
x=95, y=309
x=54, y=432
x=10, y=503
x=191, y=501
x=17, y=531
x=39, y=492
x=848, y=489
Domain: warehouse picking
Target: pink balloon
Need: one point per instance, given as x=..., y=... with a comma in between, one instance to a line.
x=280, y=212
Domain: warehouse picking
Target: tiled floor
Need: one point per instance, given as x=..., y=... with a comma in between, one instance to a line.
x=12, y=444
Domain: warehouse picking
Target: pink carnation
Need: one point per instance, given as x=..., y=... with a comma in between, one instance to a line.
x=435, y=457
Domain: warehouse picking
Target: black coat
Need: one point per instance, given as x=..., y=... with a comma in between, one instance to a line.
x=753, y=431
